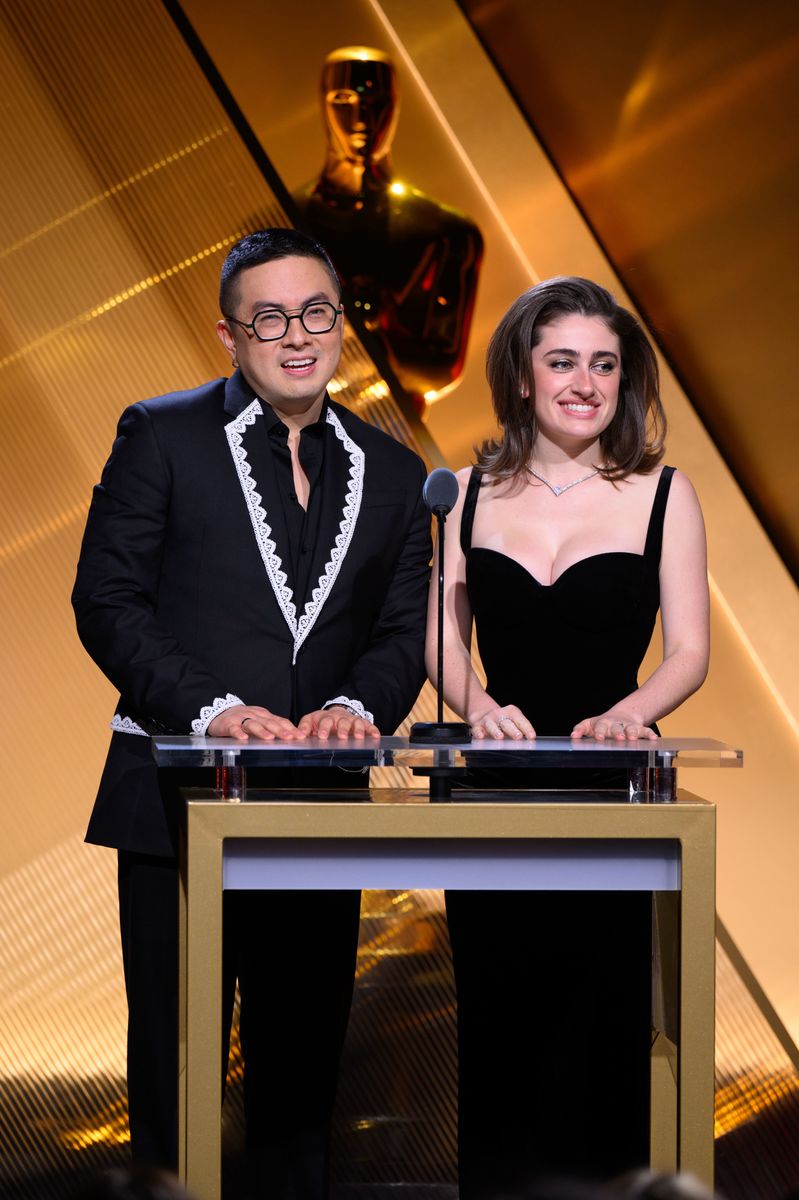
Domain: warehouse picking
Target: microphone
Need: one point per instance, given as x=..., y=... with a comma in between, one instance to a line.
x=440, y=491
x=440, y=494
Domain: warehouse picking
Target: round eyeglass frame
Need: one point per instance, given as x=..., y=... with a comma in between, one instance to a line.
x=299, y=314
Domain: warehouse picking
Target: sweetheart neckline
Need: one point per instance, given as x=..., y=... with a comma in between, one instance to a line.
x=602, y=554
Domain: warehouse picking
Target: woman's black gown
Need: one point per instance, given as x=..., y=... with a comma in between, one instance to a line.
x=554, y=988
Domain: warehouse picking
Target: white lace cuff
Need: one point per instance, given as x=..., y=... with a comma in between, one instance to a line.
x=126, y=725
x=354, y=706
x=207, y=714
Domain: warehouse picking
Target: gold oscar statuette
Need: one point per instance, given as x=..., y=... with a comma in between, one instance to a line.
x=409, y=263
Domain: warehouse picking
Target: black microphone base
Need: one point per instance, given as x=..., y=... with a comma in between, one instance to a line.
x=430, y=732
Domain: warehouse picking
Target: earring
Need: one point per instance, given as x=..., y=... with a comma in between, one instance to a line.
x=235, y=362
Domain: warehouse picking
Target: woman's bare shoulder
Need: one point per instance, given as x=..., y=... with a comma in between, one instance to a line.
x=680, y=486
x=683, y=501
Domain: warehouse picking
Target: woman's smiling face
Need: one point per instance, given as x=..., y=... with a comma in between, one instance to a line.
x=576, y=377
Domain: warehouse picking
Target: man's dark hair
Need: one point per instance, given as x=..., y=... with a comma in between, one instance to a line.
x=263, y=246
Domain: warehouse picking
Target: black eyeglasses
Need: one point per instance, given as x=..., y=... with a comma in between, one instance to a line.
x=317, y=317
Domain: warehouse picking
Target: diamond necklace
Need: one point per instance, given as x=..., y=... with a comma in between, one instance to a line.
x=558, y=491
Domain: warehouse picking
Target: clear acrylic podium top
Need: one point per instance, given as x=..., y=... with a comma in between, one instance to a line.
x=173, y=751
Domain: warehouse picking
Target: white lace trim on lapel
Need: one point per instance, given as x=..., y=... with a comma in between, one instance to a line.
x=299, y=627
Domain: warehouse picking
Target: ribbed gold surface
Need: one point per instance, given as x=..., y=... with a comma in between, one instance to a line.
x=62, y=1021
x=396, y=1109
x=757, y=1088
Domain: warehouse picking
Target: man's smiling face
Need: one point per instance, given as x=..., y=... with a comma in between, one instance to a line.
x=292, y=372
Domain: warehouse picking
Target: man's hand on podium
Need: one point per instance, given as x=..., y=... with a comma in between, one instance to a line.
x=245, y=721
x=336, y=721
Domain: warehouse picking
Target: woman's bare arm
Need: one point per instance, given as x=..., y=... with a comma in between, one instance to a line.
x=463, y=691
x=684, y=608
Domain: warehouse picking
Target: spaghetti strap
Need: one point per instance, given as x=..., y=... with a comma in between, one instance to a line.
x=469, y=505
x=654, y=534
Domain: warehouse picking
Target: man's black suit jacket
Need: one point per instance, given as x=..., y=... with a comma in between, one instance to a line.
x=183, y=598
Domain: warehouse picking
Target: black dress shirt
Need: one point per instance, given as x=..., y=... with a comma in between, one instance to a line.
x=302, y=524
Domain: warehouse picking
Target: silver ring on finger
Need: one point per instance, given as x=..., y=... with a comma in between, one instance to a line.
x=244, y=720
x=504, y=718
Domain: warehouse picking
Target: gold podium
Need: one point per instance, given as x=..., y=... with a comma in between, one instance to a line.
x=653, y=838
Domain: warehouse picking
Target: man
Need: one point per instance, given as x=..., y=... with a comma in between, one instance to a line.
x=254, y=566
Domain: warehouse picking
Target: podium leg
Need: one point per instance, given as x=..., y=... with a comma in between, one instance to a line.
x=663, y=1109
x=200, y=1093
x=182, y=988
x=697, y=984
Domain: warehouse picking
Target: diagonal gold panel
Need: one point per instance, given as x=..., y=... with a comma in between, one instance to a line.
x=679, y=103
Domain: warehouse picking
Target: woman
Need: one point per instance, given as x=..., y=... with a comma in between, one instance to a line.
x=566, y=538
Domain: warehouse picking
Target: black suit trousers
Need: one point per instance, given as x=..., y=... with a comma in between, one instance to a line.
x=293, y=953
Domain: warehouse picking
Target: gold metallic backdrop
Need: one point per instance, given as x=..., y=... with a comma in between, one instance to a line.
x=124, y=185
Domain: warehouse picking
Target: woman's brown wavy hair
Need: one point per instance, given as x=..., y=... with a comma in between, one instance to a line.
x=634, y=439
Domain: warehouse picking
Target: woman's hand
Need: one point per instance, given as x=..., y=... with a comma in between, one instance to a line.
x=616, y=725
x=505, y=721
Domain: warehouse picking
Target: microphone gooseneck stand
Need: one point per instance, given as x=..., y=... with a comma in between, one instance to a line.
x=440, y=495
